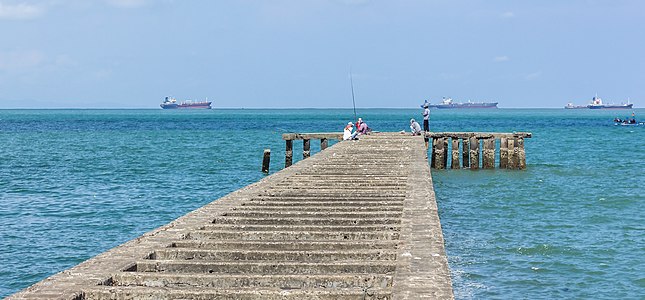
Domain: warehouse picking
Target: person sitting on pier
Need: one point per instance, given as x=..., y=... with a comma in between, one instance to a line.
x=361, y=128
x=347, y=133
x=415, y=127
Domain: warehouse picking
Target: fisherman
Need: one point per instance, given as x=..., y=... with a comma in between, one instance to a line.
x=361, y=128
x=347, y=133
x=426, y=120
x=414, y=127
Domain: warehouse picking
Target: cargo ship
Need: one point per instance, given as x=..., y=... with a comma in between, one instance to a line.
x=448, y=103
x=572, y=106
x=596, y=103
x=171, y=103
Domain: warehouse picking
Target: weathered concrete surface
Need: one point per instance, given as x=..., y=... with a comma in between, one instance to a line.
x=356, y=221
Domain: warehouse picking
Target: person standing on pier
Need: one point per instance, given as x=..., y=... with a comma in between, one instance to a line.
x=426, y=122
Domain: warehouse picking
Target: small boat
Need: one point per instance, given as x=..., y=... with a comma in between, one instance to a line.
x=448, y=103
x=171, y=103
x=629, y=124
x=627, y=121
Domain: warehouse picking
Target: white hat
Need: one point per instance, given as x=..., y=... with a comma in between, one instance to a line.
x=350, y=123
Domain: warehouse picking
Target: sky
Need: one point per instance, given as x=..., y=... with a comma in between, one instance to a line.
x=300, y=53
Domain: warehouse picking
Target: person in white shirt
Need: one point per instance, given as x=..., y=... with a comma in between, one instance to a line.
x=347, y=133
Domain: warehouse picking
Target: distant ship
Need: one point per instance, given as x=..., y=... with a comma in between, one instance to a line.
x=596, y=103
x=571, y=106
x=171, y=103
x=448, y=103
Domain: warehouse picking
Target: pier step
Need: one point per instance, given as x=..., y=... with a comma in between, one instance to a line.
x=304, y=221
x=162, y=293
x=273, y=255
x=319, y=228
x=323, y=203
x=321, y=208
x=291, y=235
x=262, y=267
x=246, y=281
x=287, y=245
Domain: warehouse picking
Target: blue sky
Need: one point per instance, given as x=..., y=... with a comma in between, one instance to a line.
x=281, y=53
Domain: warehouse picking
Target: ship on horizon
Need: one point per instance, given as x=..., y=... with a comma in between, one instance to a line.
x=596, y=103
x=447, y=103
x=171, y=103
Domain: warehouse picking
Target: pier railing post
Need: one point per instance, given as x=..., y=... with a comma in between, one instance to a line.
x=489, y=153
x=439, y=153
x=474, y=153
x=455, y=154
x=511, y=154
x=266, y=160
x=323, y=144
x=433, y=155
x=288, y=154
x=465, y=150
x=521, y=155
x=445, y=152
x=305, y=148
x=503, y=153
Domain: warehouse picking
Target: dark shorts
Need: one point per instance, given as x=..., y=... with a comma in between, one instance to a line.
x=426, y=127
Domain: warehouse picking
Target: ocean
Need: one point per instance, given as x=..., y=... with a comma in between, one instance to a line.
x=75, y=183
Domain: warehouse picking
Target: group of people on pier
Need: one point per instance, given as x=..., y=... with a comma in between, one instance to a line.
x=361, y=128
x=415, y=128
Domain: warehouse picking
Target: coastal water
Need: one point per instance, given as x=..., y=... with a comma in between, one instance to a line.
x=75, y=183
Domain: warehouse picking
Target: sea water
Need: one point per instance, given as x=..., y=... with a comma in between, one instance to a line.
x=75, y=183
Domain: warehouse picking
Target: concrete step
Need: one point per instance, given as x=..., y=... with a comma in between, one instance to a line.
x=148, y=279
x=333, y=198
x=158, y=293
x=264, y=268
x=291, y=235
x=323, y=203
x=320, y=209
x=273, y=255
x=309, y=214
x=304, y=221
x=319, y=228
x=334, y=194
x=287, y=245
x=337, y=184
x=344, y=178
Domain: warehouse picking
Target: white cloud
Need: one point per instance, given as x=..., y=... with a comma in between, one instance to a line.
x=507, y=15
x=533, y=75
x=127, y=3
x=18, y=60
x=20, y=11
x=501, y=58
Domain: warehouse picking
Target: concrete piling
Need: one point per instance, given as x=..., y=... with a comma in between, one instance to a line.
x=266, y=160
x=512, y=154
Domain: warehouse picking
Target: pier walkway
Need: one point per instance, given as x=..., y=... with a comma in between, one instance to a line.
x=355, y=221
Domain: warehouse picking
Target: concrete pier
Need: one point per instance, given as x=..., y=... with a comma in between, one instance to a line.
x=356, y=221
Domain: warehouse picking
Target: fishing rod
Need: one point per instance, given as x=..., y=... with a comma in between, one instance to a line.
x=351, y=81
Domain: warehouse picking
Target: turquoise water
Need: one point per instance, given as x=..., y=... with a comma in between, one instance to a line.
x=74, y=183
